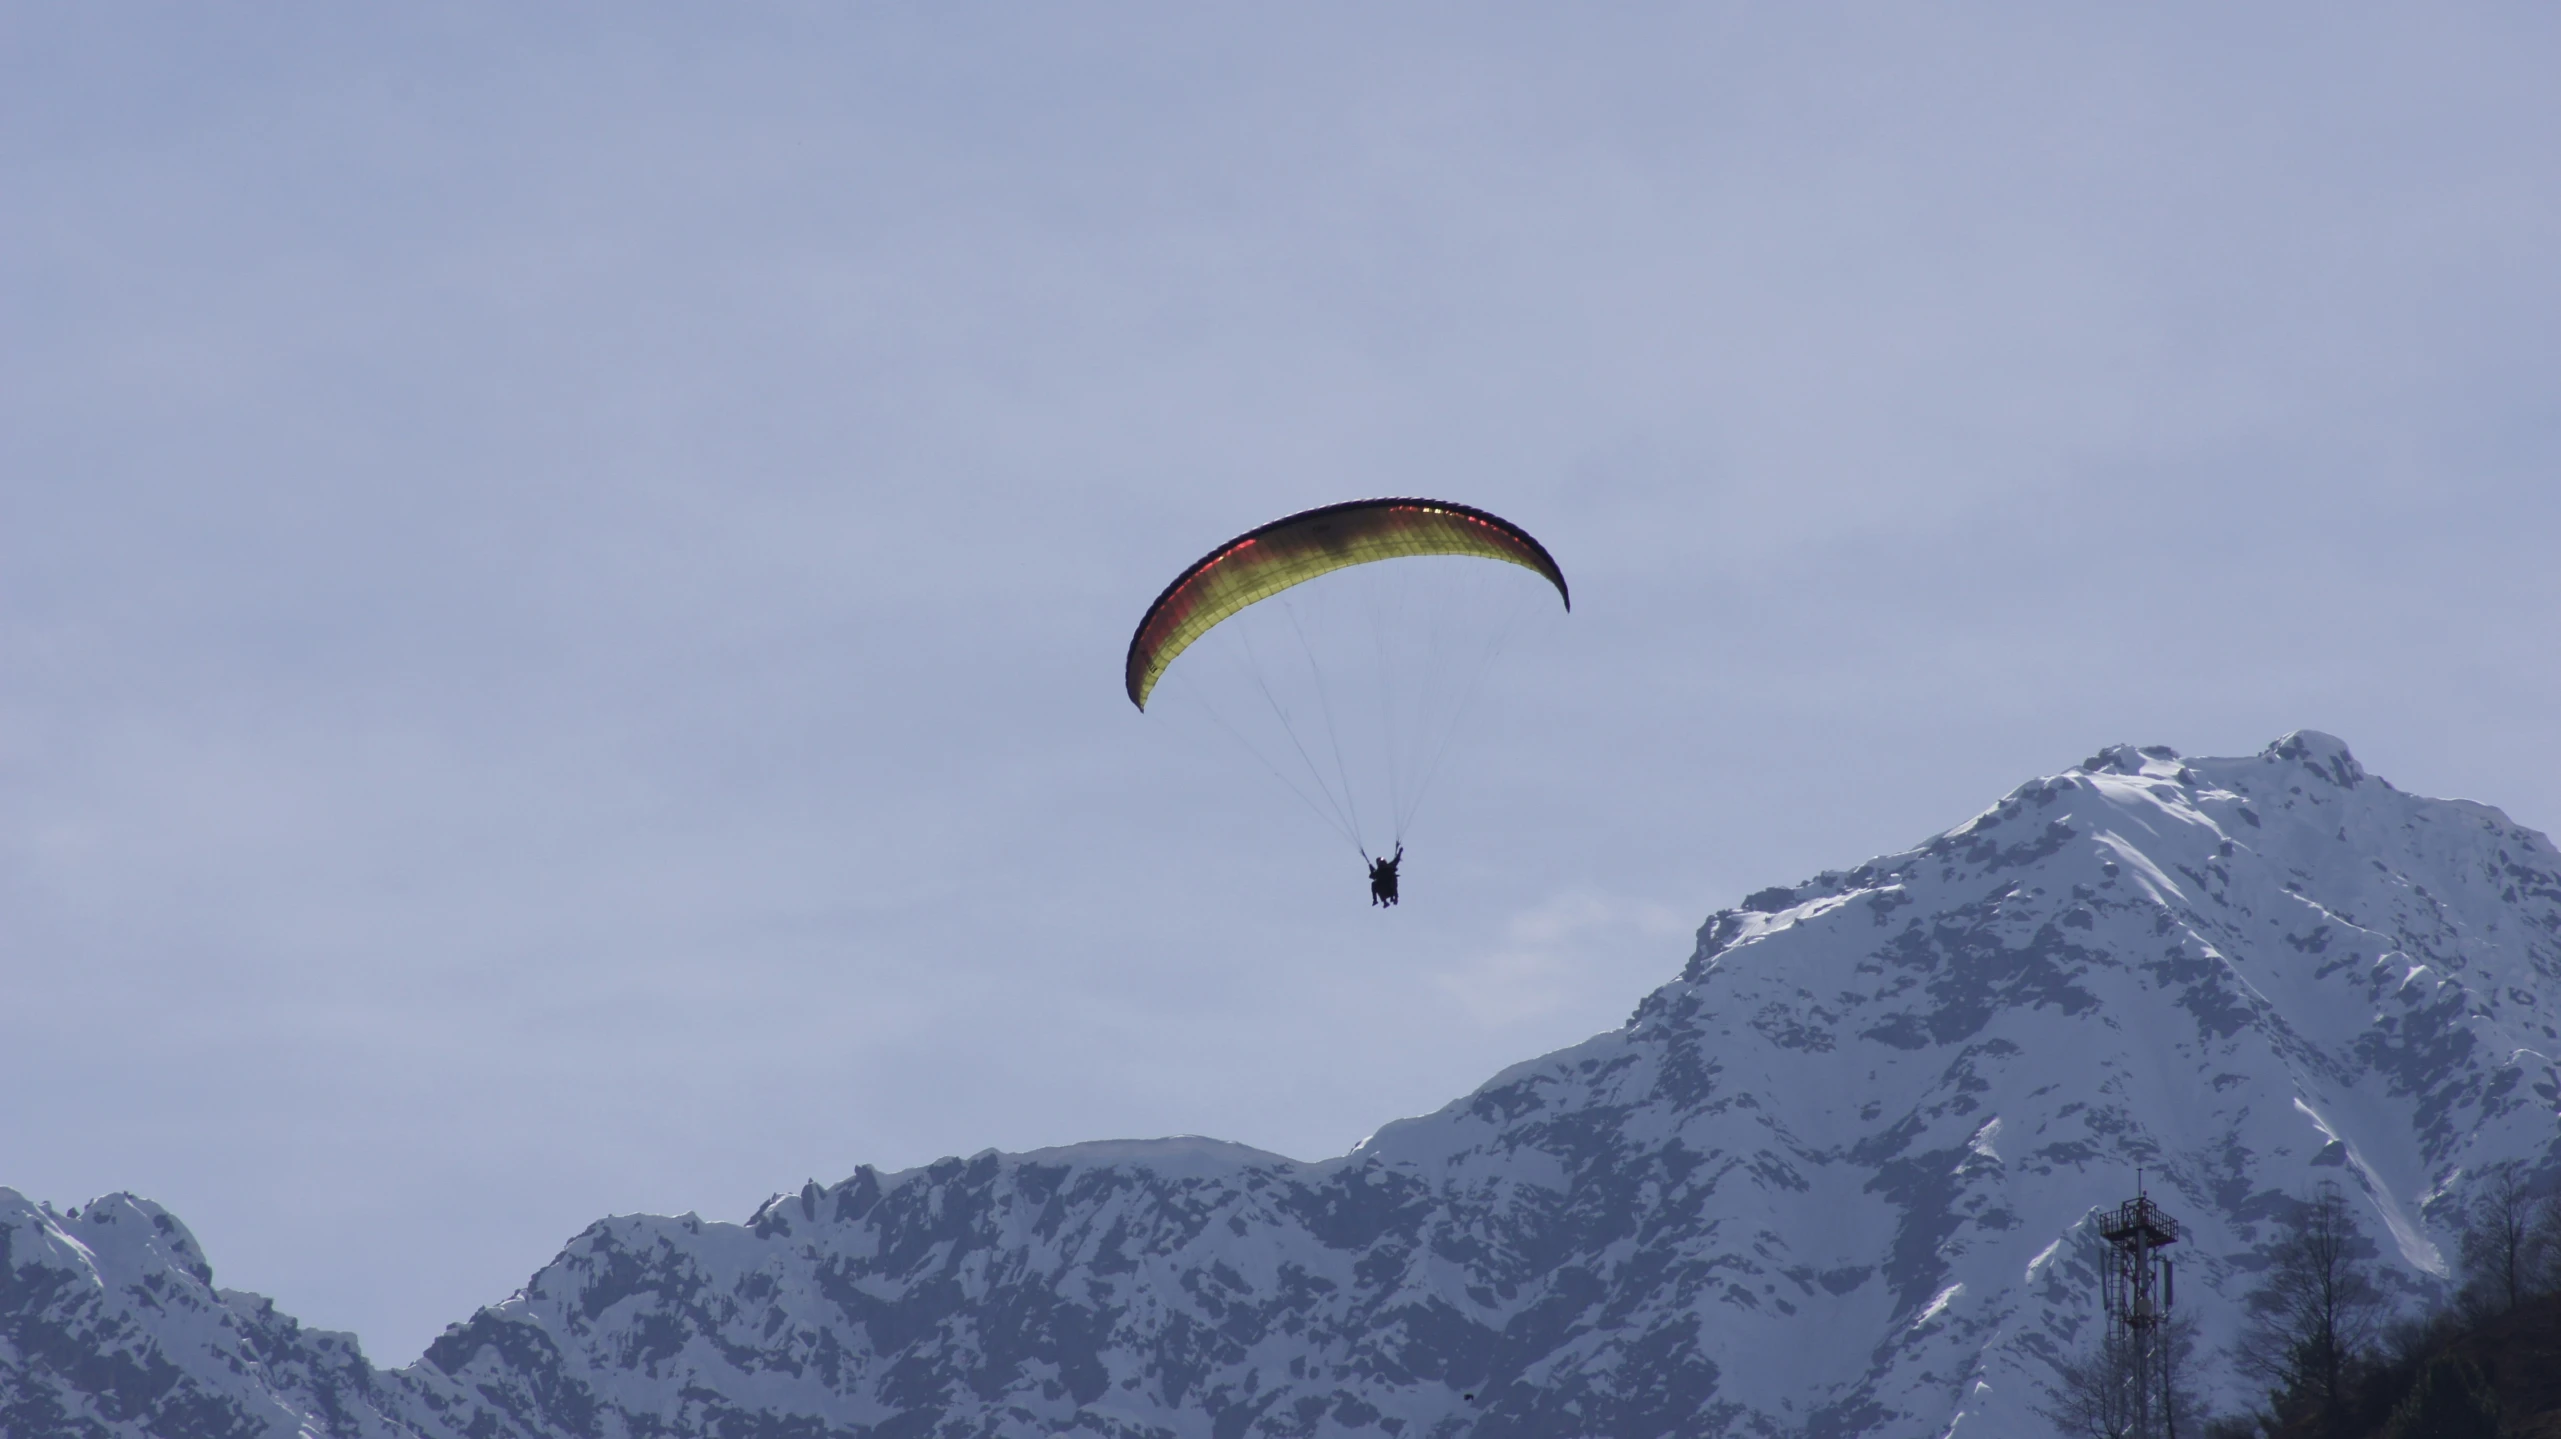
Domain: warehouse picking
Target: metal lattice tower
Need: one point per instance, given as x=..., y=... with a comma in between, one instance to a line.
x=2137, y=1289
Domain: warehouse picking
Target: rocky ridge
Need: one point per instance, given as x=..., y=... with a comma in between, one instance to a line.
x=1833, y=1180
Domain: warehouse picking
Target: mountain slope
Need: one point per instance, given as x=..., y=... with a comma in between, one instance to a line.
x=110, y=1325
x=1833, y=1180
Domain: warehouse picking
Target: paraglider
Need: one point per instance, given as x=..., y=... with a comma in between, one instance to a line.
x=1382, y=878
x=1408, y=655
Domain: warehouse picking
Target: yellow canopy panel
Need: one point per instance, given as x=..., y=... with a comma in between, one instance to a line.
x=1263, y=562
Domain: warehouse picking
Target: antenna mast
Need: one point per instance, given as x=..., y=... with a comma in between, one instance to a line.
x=2136, y=1290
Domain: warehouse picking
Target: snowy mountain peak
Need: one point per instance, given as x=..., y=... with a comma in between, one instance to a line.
x=2325, y=755
x=110, y=1325
x=2157, y=761
x=1835, y=1179
x=115, y=1238
x=1188, y=1155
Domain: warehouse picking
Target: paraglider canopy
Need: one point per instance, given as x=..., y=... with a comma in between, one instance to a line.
x=1263, y=562
x=1349, y=685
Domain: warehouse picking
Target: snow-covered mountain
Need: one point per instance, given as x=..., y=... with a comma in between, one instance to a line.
x=1833, y=1180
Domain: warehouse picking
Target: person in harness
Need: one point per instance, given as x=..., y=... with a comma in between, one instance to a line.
x=1382, y=877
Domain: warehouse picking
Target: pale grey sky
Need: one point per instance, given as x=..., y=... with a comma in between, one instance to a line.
x=563, y=571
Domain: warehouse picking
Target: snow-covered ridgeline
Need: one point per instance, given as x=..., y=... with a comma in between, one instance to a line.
x=1832, y=1180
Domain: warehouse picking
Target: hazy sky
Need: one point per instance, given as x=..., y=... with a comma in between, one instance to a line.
x=564, y=571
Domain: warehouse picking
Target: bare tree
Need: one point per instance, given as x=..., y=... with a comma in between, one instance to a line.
x=2093, y=1393
x=2182, y=1409
x=2543, y=1247
x=2451, y=1400
x=2090, y=1397
x=2499, y=1241
x=2315, y=1314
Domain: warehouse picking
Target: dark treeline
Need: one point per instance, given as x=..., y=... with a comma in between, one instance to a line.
x=2343, y=1358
